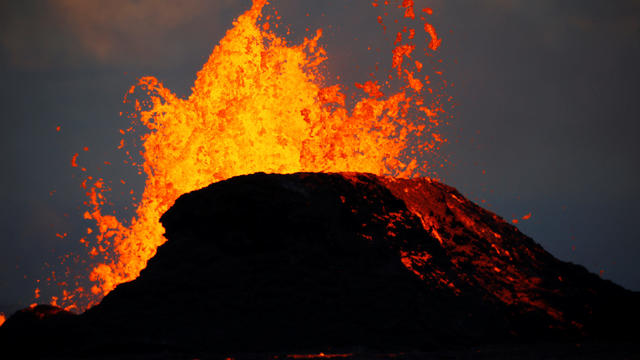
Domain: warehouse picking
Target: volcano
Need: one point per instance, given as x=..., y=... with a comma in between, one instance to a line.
x=315, y=261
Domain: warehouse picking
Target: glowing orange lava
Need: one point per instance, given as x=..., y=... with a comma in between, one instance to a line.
x=2, y=319
x=260, y=104
x=319, y=356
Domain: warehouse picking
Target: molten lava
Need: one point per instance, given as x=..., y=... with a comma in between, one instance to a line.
x=262, y=104
x=318, y=356
x=2, y=319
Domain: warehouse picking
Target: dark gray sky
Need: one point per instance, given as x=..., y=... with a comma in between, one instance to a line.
x=546, y=122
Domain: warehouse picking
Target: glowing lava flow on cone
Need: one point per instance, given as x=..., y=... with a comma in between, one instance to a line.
x=260, y=104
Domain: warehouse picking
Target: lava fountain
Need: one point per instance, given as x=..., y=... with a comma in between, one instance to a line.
x=262, y=104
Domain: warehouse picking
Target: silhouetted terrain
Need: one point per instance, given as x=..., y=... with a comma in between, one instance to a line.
x=309, y=262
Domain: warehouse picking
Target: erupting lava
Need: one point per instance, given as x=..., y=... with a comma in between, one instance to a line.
x=261, y=104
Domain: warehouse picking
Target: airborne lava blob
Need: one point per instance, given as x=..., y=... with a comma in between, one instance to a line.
x=261, y=104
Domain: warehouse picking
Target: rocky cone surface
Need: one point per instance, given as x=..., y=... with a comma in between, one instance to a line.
x=313, y=261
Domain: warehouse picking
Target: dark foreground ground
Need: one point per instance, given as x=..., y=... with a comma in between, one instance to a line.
x=585, y=351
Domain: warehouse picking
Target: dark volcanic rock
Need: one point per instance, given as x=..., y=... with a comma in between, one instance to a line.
x=33, y=330
x=317, y=261
x=39, y=318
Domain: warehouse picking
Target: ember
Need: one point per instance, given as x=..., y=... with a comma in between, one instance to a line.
x=318, y=356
